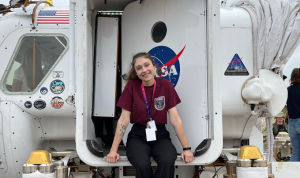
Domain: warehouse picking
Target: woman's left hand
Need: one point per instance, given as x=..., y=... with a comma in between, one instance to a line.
x=187, y=156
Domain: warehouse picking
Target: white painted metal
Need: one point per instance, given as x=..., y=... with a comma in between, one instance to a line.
x=24, y=130
x=3, y=163
x=106, y=67
x=235, y=37
x=190, y=32
x=196, y=26
x=71, y=90
x=11, y=23
x=279, y=98
x=256, y=139
x=286, y=169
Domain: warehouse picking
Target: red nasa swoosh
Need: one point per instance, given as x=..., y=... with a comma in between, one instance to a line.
x=235, y=62
x=171, y=62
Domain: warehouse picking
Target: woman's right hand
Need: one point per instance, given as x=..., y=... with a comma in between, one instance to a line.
x=112, y=157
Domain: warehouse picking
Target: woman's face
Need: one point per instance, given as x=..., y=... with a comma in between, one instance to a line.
x=280, y=119
x=144, y=69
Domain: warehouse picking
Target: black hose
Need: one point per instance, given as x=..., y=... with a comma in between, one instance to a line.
x=279, y=156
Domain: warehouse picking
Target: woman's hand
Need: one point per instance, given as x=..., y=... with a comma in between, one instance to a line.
x=187, y=156
x=112, y=157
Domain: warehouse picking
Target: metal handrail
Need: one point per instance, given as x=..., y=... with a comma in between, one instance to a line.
x=35, y=8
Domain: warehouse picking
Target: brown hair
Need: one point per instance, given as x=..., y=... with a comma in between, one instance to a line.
x=295, y=76
x=131, y=75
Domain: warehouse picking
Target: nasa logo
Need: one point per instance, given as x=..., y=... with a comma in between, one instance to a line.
x=168, y=66
x=39, y=104
x=57, y=86
x=28, y=104
x=44, y=90
x=57, y=102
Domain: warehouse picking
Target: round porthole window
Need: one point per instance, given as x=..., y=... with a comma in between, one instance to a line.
x=159, y=32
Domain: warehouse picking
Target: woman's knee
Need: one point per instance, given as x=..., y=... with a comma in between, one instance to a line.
x=167, y=160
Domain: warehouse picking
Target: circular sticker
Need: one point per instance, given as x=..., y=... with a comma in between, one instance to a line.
x=57, y=102
x=44, y=90
x=168, y=66
x=57, y=86
x=39, y=104
x=28, y=104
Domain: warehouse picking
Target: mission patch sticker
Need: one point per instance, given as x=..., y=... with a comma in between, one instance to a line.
x=44, y=90
x=57, y=102
x=57, y=86
x=39, y=104
x=236, y=67
x=28, y=104
x=159, y=103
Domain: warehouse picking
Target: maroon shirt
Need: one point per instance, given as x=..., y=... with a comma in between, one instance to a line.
x=132, y=99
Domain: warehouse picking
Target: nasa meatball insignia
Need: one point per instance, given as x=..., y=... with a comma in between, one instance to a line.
x=168, y=66
x=39, y=104
x=236, y=67
x=57, y=86
x=28, y=104
x=57, y=102
x=44, y=90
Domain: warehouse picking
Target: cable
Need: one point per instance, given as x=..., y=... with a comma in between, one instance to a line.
x=245, y=126
x=216, y=171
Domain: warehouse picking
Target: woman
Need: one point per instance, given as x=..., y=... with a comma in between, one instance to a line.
x=23, y=77
x=293, y=105
x=279, y=125
x=143, y=91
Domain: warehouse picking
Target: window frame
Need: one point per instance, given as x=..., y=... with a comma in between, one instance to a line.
x=12, y=58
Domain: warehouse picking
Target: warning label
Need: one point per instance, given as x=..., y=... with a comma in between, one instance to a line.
x=236, y=67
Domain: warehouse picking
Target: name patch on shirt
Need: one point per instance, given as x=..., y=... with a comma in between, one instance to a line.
x=159, y=103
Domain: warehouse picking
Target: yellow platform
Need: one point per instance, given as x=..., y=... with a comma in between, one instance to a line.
x=39, y=157
x=250, y=152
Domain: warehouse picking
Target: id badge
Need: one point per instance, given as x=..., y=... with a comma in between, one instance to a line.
x=152, y=124
x=150, y=134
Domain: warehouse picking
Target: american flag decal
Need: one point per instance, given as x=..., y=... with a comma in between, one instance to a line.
x=53, y=17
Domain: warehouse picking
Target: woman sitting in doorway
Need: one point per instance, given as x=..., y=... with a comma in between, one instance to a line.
x=149, y=137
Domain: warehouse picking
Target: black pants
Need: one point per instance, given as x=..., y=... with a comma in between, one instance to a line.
x=139, y=151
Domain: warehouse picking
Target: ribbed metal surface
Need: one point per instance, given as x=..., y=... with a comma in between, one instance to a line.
x=131, y=171
x=243, y=163
x=260, y=163
x=46, y=168
x=231, y=167
x=29, y=168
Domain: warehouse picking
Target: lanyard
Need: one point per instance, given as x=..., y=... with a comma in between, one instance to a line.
x=145, y=98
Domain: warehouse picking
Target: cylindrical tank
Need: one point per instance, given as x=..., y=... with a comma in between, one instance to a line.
x=61, y=172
